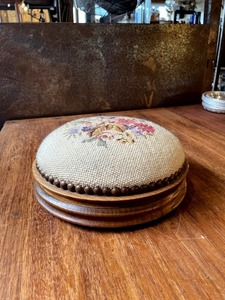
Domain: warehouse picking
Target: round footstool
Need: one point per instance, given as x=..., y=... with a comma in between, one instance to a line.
x=110, y=172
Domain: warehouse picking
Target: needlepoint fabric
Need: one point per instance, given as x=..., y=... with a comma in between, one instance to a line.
x=110, y=151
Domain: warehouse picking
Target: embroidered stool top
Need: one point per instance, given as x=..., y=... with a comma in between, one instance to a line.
x=108, y=158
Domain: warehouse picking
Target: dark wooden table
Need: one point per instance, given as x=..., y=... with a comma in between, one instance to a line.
x=179, y=257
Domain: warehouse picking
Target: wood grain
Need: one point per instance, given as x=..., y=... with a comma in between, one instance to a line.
x=116, y=212
x=180, y=257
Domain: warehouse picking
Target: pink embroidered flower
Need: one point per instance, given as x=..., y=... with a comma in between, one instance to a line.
x=124, y=121
x=105, y=136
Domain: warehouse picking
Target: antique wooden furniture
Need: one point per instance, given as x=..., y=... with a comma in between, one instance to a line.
x=110, y=171
x=179, y=257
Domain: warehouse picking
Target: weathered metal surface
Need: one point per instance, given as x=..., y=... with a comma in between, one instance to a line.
x=60, y=69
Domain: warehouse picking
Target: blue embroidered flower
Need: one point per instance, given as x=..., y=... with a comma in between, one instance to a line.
x=73, y=130
x=86, y=128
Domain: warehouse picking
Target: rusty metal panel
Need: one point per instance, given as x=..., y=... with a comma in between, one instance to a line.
x=59, y=69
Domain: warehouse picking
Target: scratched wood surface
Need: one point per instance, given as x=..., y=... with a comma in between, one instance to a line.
x=179, y=257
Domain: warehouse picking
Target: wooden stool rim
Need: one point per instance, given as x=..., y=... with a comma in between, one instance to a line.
x=95, y=198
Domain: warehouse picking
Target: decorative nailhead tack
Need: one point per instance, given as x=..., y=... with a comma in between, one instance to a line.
x=97, y=190
x=159, y=183
x=79, y=189
x=144, y=188
x=71, y=187
x=63, y=185
x=125, y=191
x=106, y=191
x=115, y=191
x=151, y=186
x=135, y=190
x=57, y=182
x=88, y=190
x=51, y=179
x=174, y=178
x=166, y=181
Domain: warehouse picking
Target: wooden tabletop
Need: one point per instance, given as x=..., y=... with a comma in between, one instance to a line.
x=181, y=256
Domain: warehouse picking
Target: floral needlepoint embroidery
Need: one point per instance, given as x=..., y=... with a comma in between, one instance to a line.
x=102, y=129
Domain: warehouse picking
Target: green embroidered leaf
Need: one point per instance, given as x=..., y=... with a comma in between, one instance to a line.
x=102, y=143
x=89, y=140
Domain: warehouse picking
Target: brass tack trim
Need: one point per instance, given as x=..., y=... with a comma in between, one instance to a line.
x=115, y=191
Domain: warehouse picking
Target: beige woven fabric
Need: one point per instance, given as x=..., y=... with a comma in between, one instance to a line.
x=110, y=152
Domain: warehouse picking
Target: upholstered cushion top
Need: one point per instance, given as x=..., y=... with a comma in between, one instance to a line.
x=109, y=152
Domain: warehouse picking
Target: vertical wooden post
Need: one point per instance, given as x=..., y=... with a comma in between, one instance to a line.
x=212, y=42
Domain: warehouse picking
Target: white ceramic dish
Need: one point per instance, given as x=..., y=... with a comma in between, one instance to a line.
x=214, y=101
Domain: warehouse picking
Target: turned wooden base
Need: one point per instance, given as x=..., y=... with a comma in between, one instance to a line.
x=108, y=212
